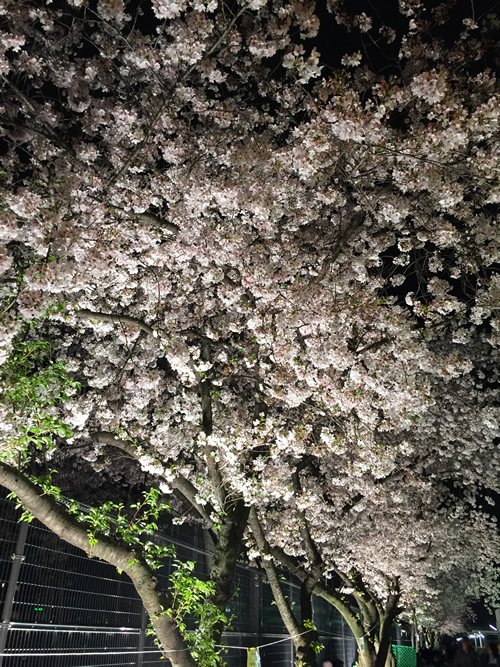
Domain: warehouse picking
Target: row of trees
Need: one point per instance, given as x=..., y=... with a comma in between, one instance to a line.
x=269, y=284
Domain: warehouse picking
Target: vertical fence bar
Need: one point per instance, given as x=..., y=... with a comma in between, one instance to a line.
x=256, y=605
x=142, y=637
x=17, y=558
x=344, y=652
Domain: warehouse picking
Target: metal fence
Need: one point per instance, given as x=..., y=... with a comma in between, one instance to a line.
x=64, y=609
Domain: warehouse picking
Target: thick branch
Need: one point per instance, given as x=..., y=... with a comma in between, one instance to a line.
x=110, y=317
x=303, y=634
x=387, y=616
x=324, y=591
x=207, y=423
x=367, y=600
x=282, y=602
x=56, y=519
x=226, y=553
x=376, y=344
x=305, y=533
x=159, y=223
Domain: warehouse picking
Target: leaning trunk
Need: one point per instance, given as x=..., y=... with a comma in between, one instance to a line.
x=305, y=653
x=302, y=637
x=65, y=526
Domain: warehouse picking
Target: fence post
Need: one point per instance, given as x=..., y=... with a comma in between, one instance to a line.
x=142, y=637
x=343, y=642
x=256, y=605
x=17, y=558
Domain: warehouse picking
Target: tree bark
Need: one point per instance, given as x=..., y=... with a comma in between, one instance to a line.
x=226, y=553
x=385, y=640
x=302, y=636
x=65, y=526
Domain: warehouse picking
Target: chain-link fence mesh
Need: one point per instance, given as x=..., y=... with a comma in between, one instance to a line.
x=405, y=656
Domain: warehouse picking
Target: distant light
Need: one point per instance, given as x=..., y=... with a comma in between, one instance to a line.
x=493, y=628
x=481, y=635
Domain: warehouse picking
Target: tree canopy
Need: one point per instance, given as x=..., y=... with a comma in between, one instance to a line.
x=269, y=280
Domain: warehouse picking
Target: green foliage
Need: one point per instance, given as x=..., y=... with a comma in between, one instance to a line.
x=33, y=379
x=115, y=520
x=26, y=514
x=316, y=646
x=215, y=394
x=45, y=483
x=191, y=597
x=128, y=527
x=32, y=382
x=49, y=489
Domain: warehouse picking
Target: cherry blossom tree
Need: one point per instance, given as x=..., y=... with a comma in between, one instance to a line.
x=446, y=610
x=268, y=283
x=404, y=547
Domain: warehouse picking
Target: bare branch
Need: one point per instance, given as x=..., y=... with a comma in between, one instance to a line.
x=343, y=237
x=159, y=223
x=110, y=317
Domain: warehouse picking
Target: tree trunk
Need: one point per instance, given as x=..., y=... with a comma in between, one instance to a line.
x=429, y=637
x=302, y=637
x=305, y=656
x=390, y=661
x=366, y=657
x=414, y=630
x=226, y=554
x=65, y=526
x=384, y=640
